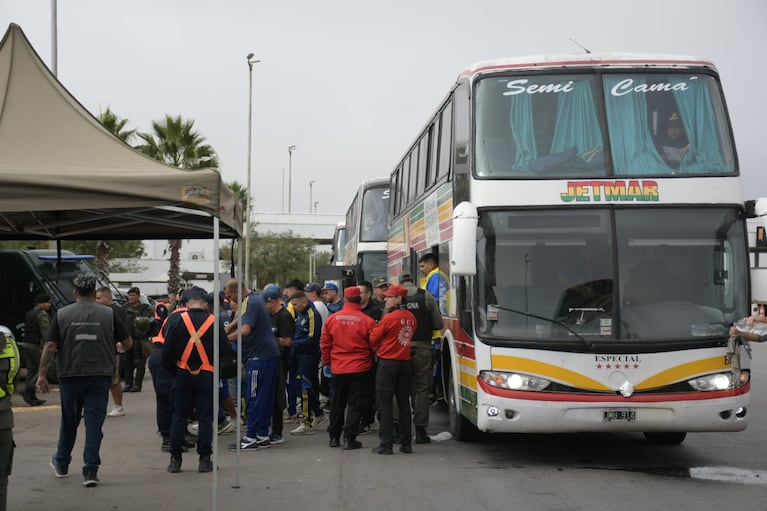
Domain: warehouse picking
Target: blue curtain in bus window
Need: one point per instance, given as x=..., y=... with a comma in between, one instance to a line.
x=521, y=120
x=633, y=150
x=578, y=126
x=704, y=154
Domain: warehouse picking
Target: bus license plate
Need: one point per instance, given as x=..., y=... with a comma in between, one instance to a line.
x=620, y=415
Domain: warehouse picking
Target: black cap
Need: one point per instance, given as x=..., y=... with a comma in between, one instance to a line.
x=134, y=290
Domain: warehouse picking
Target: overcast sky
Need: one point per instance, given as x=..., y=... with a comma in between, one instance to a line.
x=350, y=83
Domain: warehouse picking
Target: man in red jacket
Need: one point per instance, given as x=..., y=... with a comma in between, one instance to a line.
x=347, y=356
x=391, y=337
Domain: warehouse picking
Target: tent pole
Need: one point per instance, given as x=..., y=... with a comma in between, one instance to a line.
x=239, y=365
x=216, y=359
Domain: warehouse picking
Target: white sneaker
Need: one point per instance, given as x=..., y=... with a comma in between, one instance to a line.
x=319, y=420
x=193, y=428
x=227, y=427
x=303, y=429
x=116, y=411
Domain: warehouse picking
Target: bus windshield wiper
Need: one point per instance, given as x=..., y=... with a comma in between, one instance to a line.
x=589, y=345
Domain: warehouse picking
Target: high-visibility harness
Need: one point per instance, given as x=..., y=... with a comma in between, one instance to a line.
x=160, y=338
x=195, y=341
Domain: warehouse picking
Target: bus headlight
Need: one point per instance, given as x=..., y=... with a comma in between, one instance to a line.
x=514, y=381
x=719, y=381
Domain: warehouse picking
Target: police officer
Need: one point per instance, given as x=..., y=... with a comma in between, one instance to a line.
x=426, y=311
x=37, y=322
x=139, y=320
x=9, y=367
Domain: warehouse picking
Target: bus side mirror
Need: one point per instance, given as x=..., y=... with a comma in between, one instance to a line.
x=463, y=257
x=757, y=209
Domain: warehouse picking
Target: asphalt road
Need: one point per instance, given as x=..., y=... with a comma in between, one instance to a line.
x=586, y=472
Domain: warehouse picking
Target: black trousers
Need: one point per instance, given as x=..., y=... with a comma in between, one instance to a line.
x=7, y=447
x=347, y=397
x=393, y=380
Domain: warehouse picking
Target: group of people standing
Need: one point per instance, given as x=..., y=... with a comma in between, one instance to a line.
x=370, y=349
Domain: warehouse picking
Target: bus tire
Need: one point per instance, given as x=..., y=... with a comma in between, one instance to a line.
x=665, y=438
x=460, y=427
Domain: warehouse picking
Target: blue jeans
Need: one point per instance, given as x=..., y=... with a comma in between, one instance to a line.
x=260, y=394
x=86, y=397
x=192, y=394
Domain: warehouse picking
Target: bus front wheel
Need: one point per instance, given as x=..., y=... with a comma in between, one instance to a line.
x=460, y=427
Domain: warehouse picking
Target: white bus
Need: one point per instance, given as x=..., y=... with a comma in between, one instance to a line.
x=596, y=259
x=338, y=249
x=366, y=230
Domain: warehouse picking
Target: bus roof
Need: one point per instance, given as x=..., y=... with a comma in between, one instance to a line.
x=603, y=60
x=374, y=183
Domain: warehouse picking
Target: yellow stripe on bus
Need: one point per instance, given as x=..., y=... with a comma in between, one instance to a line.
x=526, y=365
x=468, y=380
x=684, y=372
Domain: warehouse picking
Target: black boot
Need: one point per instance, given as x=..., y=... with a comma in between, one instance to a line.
x=421, y=436
x=175, y=464
x=206, y=465
x=351, y=443
x=334, y=441
x=382, y=449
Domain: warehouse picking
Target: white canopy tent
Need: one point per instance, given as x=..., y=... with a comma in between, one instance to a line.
x=64, y=176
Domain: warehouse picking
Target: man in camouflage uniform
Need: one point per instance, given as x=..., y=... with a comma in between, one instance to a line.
x=139, y=319
x=37, y=322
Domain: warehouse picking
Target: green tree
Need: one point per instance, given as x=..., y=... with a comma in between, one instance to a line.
x=175, y=142
x=277, y=258
x=241, y=194
x=116, y=125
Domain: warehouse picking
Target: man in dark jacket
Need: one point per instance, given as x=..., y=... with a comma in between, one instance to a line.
x=37, y=323
x=188, y=354
x=85, y=334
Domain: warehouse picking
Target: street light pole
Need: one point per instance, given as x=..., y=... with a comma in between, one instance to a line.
x=291, y=148
x=250, y=61
x=310, y=195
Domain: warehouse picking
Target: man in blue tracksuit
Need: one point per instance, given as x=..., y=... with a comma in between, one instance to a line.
x=261, y=356
x=305, y=360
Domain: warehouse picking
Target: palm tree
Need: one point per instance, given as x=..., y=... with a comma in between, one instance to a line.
x=116, y=125
x=240, y=194
x=175, y=141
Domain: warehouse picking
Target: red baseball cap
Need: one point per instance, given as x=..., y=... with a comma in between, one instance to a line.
x=396, y=291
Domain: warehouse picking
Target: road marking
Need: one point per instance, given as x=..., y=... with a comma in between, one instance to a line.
x=26, y=409
x=729, y=475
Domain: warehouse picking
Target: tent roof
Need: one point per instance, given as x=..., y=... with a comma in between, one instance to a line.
x=64, y=176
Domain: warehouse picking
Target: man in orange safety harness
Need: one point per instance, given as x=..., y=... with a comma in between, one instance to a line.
x=188, y=355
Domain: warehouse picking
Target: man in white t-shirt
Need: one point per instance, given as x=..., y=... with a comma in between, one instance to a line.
x=314, y=292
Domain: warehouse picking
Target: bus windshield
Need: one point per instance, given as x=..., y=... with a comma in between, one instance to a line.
x=375, y=208
x=668, y=274
x=371, y=265
x=557, y=125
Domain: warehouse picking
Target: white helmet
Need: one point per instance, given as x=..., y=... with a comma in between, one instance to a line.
x=7, y=332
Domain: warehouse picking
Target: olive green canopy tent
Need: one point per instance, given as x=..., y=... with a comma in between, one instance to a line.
x=64, y=176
